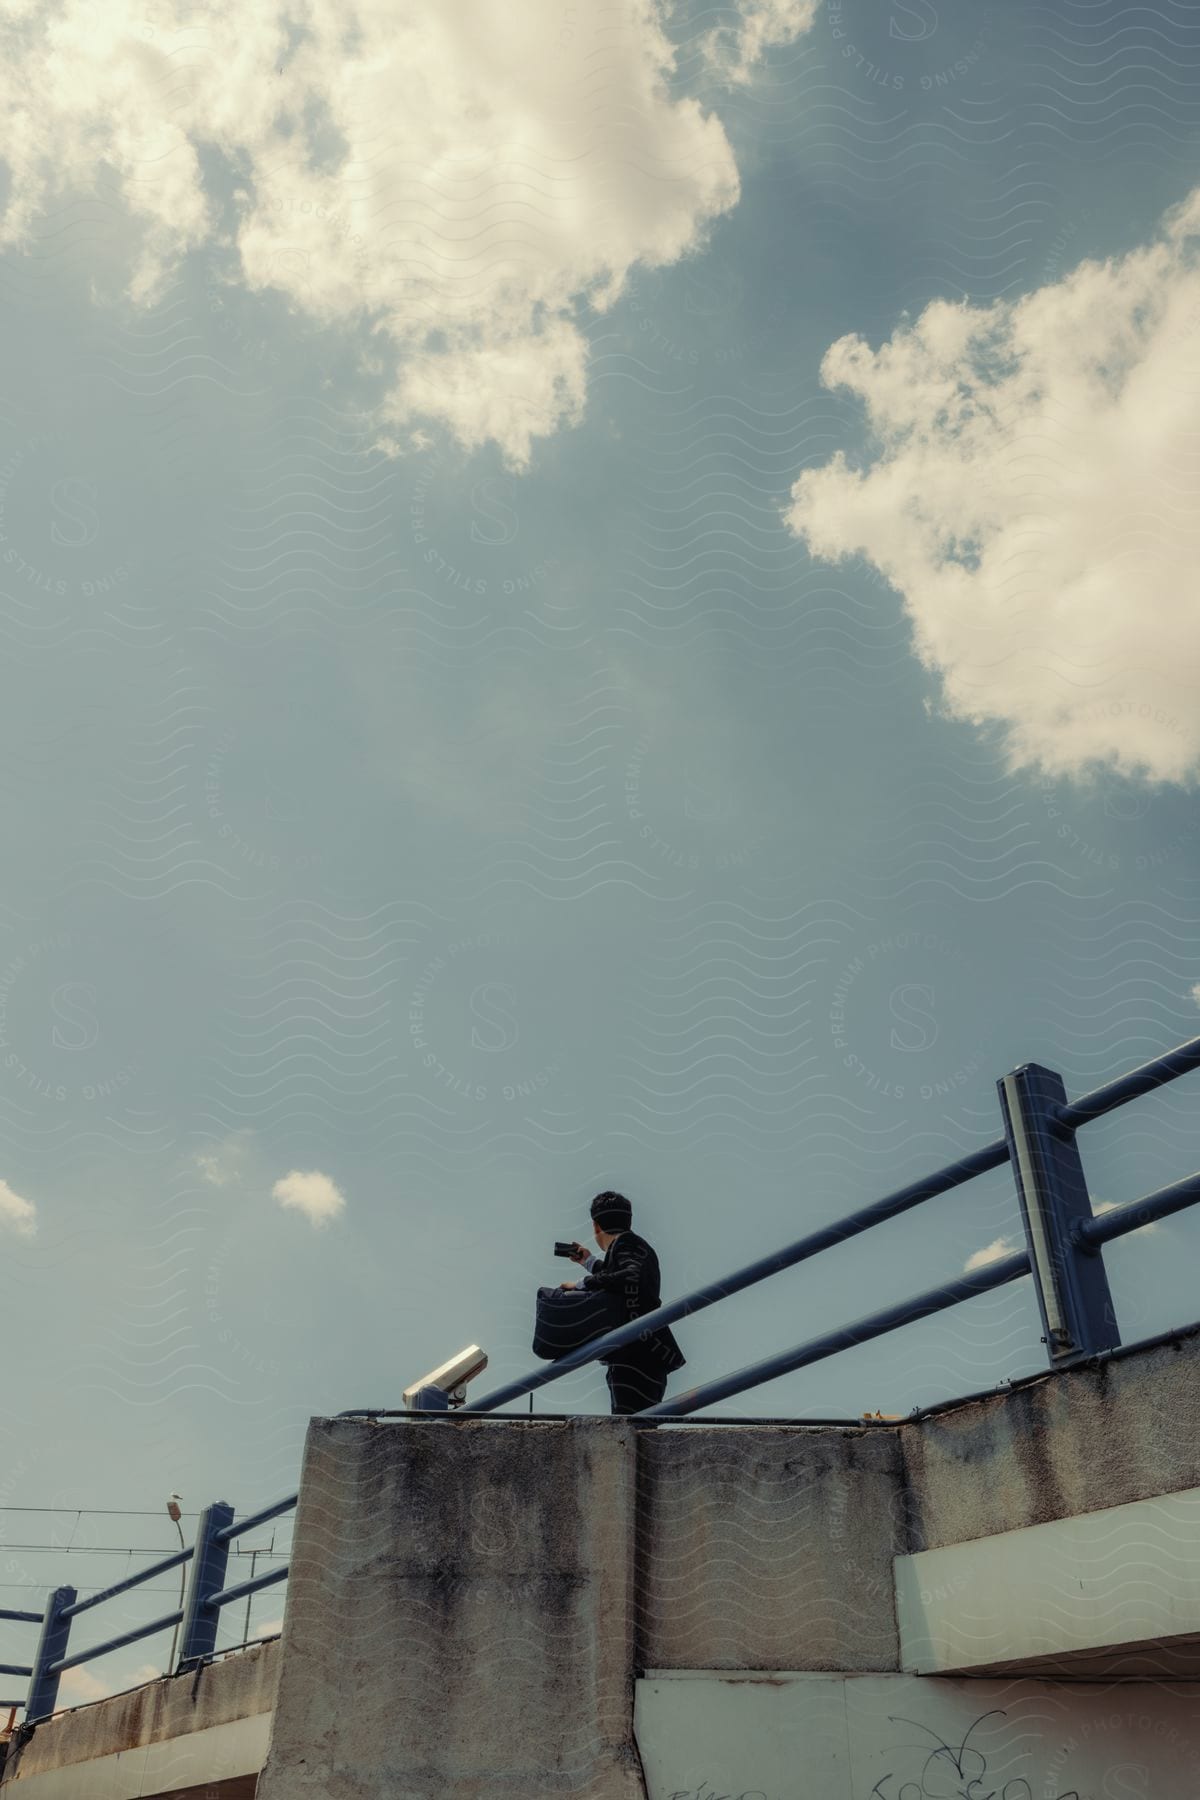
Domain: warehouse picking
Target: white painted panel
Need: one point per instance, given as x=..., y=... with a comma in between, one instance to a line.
x=704, y=1736
x=1119, y=1576
x=788, y=1736
x=198, y=1758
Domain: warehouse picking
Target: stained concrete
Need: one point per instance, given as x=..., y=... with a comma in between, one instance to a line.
x=1122, y=1583
x=1076, y=1441
x=460, y=1614
x=219, y=1763
x=471, y=1600
x=219, y=1693
x=768, y=1548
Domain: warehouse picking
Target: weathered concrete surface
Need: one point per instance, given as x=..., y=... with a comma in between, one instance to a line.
x=471, y=1600
x=1123, y=1582
x=905, y=1737
x=1076, y=1441
x=768, y=1547
x=460, y=1615
x=220, y=1693
x=219, y=1763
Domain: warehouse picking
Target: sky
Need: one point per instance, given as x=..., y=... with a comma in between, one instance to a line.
x=591, y=598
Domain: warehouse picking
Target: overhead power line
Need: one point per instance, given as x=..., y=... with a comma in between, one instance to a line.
x=113, y=1512
x=115, y=1550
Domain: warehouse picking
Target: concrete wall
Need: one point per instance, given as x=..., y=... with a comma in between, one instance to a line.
x=471, y=1602
x=907, y=1737
x=474, y=1604
x=1073, y=1442
x=186, y=1729
x=1111, y=1591
x=767, y=1548
x=460, y=1614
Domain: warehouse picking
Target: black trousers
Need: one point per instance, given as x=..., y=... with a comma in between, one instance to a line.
x=633, y=1388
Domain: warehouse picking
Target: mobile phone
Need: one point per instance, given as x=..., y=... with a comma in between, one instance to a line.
x=564, y=1250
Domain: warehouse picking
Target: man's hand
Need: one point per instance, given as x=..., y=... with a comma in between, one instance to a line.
x=567, y=1287
x=579, y=1253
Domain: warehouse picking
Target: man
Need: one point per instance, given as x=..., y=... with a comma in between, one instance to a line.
x=628, y=1270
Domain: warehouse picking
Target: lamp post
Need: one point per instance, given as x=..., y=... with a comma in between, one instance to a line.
x=174, y=1514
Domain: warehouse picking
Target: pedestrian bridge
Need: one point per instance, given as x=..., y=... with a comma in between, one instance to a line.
x=997, y=1598
x=1003, y=1591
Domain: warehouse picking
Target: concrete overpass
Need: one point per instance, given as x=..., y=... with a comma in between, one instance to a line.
x=1001, y=1597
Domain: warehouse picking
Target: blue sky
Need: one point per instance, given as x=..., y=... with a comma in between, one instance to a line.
x=495, y=707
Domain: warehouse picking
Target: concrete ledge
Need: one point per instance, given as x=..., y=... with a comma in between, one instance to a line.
x=1118, y=1581
x=220, y=1760
x=1073, y=1442
x=235, y=1688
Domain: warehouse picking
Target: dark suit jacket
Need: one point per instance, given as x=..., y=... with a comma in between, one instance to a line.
x=630, y=1274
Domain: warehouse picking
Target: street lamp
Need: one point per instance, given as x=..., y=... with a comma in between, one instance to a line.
x=174, y=1514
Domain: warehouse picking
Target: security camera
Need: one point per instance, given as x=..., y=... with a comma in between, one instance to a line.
x=449, y=1380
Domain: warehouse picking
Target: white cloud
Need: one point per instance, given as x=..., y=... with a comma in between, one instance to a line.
x=311, y=1193
x=227, y=1161
x=993, y=1252
x=460, y=178
x=761, y=25
x=1033, y=496
x=79, y=1686
x=1196, y=993
x=17, y=1214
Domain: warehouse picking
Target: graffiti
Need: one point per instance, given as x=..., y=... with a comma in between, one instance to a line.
x=952, y=1771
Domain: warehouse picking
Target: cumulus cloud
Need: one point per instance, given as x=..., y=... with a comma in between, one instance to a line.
x=735, y=49
x=311, y=1193
x=16, y=1214
x=994, y=1252
x=459, y=182
x=1032, y=493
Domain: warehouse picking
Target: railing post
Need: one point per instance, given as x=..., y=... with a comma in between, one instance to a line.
x=199, y=1634
x=52, y=1646
x=1072, y=1287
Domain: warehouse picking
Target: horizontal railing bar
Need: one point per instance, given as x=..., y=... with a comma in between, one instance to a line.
x=419, y=1416
x=131, y=1581
x=245, y=1587
x=21, y=1618
x=117, y=1643
x=934, y=1300
x=902, y=1200
x=240, y=1526
x=210, y=1656
x=1138, y=1081
x=1103, y=1227
x=15, y=1669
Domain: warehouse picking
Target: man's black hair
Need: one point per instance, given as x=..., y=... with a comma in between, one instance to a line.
x=612, y=1212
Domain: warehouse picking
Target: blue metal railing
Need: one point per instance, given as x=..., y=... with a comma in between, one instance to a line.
x=1063, y=1240
x=1063, y=1243
x=199, y=1614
